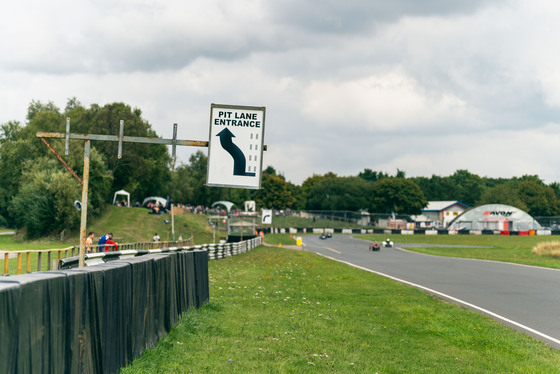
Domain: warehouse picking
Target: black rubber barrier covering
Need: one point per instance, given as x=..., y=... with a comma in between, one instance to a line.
x=41, y=340
x=10, y=295
x=96, y=319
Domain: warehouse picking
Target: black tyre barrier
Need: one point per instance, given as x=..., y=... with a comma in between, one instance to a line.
x=98, y=318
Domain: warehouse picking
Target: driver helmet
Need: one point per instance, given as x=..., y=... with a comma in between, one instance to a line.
x=388, y=240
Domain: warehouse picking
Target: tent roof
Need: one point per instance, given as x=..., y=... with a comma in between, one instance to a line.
x=156, y=199
x=227, y=204
x=478, y=218
x=124, y=193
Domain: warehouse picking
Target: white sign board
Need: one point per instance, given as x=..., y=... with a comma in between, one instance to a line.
x=266, y=217
x=235, y=146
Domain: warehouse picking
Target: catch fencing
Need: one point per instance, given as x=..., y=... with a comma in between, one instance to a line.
x=342, y=219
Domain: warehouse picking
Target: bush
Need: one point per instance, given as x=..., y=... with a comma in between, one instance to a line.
x=44, y=202
x=549, y=249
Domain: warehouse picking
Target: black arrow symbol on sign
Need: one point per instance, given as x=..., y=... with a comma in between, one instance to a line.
x=239, y=161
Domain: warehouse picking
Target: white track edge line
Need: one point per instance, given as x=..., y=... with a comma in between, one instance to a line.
x=459, y=301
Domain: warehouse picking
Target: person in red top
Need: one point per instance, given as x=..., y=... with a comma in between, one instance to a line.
x=110, y=245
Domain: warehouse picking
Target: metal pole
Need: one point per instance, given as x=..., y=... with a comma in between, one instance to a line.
x=172, y=223
x=66, y=143
x=83, y=222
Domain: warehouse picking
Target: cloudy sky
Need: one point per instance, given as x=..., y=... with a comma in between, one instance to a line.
x=427, y=87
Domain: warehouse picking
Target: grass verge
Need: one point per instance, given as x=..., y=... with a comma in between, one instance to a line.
x=284, y=239
x=277, y=310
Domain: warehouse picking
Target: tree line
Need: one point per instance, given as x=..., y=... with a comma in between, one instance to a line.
x=37, y=193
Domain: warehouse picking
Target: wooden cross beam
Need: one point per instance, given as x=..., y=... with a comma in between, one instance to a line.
x=87, y=138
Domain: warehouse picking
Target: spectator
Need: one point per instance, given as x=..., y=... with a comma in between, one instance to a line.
x=111, y=245
x=156, y=237
x=102, y=240
x=89, y=241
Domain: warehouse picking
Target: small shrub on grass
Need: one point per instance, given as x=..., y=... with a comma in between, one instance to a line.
x=549, y=249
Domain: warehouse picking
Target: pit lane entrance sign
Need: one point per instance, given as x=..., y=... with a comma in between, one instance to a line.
x=235, y=146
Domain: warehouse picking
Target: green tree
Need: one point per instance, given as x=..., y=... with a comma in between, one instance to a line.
x=100, y=178
x=37, y=107
x=372, y=176
x=539, y=199
x=189, y=183
x=17, y=145
x=309, y=184
x=398, y=195
x=505, y=193
x=144, y=169
x=339, y=193
x=466, y=187
x=556, y=188
x=435, y=188
x=275, y=192
x=44, y=203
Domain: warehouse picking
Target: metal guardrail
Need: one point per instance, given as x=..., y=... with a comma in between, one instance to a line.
x=37, y=257
x=215, y=251
x=68, y=257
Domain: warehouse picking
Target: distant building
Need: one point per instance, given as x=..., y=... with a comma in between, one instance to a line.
x=495, y=217
x=438, y=214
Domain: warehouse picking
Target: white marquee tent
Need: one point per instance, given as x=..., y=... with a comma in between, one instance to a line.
x=155, y=199
x=494, y=217
x=122, y=193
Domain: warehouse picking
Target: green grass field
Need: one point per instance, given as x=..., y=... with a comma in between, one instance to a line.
x=277, y=310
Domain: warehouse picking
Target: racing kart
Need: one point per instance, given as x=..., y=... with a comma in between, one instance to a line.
x=326, y=236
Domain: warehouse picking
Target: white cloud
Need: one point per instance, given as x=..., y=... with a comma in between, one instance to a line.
x=427, y=87
x=389, y=102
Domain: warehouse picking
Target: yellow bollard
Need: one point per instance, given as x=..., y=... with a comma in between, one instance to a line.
x=280, y=245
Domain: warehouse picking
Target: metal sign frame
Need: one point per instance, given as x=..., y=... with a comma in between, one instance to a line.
x=120, y=139
x=87, y=138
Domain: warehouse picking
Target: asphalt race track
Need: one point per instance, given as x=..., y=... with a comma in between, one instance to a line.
x=526, y=298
